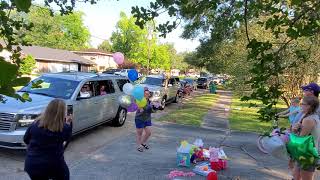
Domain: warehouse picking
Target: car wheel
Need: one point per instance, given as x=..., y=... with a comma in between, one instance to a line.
x=163, y=104
x=178, y=97
x=121, y=117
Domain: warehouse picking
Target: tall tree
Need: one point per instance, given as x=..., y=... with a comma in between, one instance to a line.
x=62, y=32
x=106, y=46
x=11, y=30
x=140, y=45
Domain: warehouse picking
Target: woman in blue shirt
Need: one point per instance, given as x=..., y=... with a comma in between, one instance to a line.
x=44, y=139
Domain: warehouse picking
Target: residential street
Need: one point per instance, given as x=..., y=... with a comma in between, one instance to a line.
x=109, y=153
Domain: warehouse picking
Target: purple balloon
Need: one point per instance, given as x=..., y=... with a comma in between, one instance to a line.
x=133, y=107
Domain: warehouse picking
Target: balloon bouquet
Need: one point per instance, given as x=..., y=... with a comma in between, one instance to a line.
x=134, y=94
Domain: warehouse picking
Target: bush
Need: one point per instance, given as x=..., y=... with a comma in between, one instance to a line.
x=27, y=65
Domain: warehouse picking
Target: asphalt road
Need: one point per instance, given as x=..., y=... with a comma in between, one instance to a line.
x=82, y=145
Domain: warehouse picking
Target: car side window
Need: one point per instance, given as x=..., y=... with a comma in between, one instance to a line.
x=86, y=90
x=172, y=81
x=121, y=83
x=105, y=87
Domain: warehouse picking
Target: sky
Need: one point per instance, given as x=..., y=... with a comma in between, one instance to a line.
x=101, y=19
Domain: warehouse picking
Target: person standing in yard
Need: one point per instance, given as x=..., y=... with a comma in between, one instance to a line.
x=143, y=123
x=308, y=125
x=313, y=90
x=44, y=139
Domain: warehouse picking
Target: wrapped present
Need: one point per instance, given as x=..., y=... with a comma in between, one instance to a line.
x=221, y=164
x=203, y=169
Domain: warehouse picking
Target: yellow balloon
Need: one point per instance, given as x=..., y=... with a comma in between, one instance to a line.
x=142, y=103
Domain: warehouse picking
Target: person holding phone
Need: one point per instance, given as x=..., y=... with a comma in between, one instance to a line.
x=45, y=139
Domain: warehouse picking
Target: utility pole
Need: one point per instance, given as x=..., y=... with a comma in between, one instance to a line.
x=149, y=37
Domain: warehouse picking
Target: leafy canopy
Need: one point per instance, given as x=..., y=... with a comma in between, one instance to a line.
x=13, y=32
x=215, y=21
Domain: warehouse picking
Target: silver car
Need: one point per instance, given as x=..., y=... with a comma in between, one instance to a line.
x=163, y=90
x=99, y=106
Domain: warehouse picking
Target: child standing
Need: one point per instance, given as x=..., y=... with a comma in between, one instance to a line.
x=143, y=123
x=292, y=111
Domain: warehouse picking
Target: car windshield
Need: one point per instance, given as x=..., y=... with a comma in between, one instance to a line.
x=202, y=79
x=153, y=81
x=188, y=80
x=53, y=87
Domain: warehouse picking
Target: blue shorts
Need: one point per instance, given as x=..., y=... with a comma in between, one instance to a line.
x=142, y=124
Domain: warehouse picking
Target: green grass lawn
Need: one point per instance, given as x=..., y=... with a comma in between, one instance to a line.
x=193, y=111
x=243, y=118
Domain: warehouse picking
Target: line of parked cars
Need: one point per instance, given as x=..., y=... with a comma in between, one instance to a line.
x=91, y=98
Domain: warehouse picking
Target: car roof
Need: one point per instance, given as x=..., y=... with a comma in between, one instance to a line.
x=79, y=76
x=156, y=76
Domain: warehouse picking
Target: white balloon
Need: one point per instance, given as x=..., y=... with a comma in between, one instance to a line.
x=127, y=88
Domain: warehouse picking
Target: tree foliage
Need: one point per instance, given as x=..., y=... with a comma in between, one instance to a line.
x=216, y=21
x=12, y=30
x=27, y=65
x=106, y=46
x=56, y=31
x=141, y=46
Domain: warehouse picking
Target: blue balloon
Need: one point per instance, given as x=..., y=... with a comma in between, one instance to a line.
x=133, y=75
x=138, y=93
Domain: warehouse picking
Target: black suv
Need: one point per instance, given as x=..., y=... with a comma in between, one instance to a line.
x=203, y=82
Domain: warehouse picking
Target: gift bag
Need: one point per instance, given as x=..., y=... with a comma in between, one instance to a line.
x=183, y=159
x=219, y=165
x=198, y=143
x=183, y=154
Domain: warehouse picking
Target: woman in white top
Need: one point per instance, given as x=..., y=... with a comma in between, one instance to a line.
x=309, y=125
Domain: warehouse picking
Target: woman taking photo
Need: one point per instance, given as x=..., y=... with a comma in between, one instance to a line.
x=44, y=139
x=308, y=125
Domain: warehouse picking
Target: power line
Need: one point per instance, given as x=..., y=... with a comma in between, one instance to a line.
x=99, y=38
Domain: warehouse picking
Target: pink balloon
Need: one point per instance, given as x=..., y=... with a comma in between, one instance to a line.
x=118, y=57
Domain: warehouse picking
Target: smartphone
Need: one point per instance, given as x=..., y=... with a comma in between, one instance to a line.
x=69, y=110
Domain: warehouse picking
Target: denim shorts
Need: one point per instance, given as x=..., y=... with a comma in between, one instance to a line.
x=309, y=169
x=142, y=124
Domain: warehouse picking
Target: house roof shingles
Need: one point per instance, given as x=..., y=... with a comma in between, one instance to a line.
x=50, y=54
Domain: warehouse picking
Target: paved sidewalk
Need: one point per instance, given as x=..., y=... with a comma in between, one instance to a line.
x=246, y=161
x=217, y=117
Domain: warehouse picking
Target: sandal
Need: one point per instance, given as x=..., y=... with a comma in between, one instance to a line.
x=145, y=146
x=140, y=149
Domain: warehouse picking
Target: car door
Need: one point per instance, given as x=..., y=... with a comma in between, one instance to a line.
x=86, y=110
x=172, y=88
x=108, y=101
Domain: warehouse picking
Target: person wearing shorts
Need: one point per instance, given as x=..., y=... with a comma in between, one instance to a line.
x=143, y=123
